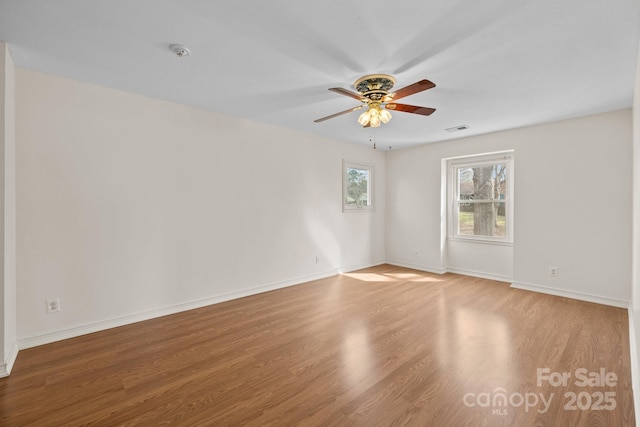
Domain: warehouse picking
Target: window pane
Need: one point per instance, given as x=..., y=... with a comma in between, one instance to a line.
x=486, y=182
x=357, y=187
x=465, y=180
x=482, y=219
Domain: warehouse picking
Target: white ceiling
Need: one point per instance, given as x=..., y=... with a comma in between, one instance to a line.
x=497, y=64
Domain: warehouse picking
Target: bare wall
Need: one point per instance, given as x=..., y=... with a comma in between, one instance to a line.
x=634, y=309
x=8, y=214
x=573, y=199
x=129, y=205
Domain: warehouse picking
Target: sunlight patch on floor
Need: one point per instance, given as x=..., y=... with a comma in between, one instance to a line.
x=392, y=277
x=413, y=277
x=369, y=277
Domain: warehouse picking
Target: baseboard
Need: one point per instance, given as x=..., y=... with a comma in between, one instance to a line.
x=635, y=363
x=5, y=369
x=480, y=274
x=571, y=294
x=419, y=267
x=164, y=311
x=359, y=267
x=439, y=270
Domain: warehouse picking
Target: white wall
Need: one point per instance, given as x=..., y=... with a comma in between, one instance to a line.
x=480, y=259
x=416, y=213
x=576, y=214
x=634, y=309
x=7, y=213
x=561, y=169
x=129, y=205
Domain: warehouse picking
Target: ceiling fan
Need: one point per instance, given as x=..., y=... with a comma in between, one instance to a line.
x=374, y=93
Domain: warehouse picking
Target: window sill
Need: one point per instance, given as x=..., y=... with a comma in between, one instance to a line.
x=357, y=210
x=481, y=241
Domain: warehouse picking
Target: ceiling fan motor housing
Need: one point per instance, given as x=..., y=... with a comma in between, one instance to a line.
x=375, y=86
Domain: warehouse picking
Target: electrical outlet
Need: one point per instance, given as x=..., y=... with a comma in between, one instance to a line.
x=415, y=252
x=53, y=305
x=553, y=271
x=317, y=259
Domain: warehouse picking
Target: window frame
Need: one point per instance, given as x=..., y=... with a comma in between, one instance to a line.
x=370, y=187
x=454, y=165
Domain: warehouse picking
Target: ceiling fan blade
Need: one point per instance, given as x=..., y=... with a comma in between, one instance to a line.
x=348, y=93
x=338, y=114
x=425, y=111
x=410, y=90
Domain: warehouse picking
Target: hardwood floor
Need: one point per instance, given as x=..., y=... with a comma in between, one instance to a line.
x=376, y=347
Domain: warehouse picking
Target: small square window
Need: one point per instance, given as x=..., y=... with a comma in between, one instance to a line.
x=357, y=187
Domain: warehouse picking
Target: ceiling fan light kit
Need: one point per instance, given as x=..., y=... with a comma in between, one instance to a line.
x=374, y=93
x=374, y=116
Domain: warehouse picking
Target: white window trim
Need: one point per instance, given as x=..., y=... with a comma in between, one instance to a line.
x=370, y=186
x=453, y=164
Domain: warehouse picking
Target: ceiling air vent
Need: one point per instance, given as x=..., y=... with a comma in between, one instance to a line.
x=457, y=128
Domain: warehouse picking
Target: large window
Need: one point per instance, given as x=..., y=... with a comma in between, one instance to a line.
x=357, y=192
x=480, y=196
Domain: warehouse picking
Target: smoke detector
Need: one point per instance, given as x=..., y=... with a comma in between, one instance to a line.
x=179, y=50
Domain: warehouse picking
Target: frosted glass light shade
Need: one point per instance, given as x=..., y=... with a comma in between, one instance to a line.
x=374, y=116
x=364, y=118
x=385, y=116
